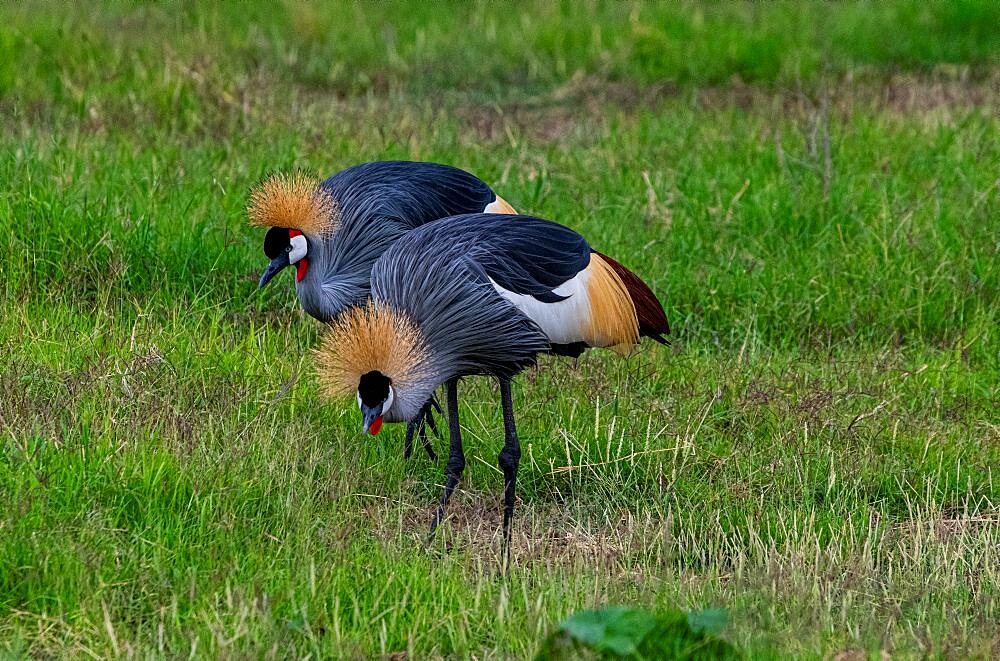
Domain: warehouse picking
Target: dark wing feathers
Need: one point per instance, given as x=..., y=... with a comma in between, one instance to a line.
x=440, y=274
x=532, y=256
x=469, y=327
x=533, y=260
x=408, y=192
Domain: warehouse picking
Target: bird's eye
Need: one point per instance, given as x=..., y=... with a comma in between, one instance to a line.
x=288, y=249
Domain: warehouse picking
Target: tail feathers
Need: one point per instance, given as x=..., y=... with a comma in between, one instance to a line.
x=652, y=319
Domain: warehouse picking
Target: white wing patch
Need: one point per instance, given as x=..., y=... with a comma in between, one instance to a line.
x=564, y=322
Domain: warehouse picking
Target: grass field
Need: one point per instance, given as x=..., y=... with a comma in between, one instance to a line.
x=811, y=189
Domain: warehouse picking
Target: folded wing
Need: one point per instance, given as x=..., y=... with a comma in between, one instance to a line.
x=578, y=297
x=411, y=193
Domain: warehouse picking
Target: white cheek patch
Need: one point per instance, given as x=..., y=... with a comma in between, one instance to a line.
x=299, y=248
x=359, y=399
x=388, y=401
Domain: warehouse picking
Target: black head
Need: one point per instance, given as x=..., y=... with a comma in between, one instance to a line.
x=375, y=397
x=373, y=388
x=284, y=247
x=276, y=242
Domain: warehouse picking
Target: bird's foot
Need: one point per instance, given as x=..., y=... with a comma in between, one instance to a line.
x=418, y=427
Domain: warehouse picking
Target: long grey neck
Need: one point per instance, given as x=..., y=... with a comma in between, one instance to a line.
x=340, y=266
x=409, y=400
x=330, y=285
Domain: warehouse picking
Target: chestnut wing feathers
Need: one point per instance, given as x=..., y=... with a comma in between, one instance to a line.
x=652, y=319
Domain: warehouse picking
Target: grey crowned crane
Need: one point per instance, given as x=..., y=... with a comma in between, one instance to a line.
x=479, y=294
x=332, y=232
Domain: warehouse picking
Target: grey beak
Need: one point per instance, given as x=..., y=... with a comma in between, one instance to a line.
x=370, y=414
x=278, y=263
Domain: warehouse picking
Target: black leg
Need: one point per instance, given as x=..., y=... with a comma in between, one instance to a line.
x=418, y=426
x=456, y=457
x=508, y=459
x=411, y=427
x=429, y=422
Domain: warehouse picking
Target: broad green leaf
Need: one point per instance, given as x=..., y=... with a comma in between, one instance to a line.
x=709, y=620
x=618, y=629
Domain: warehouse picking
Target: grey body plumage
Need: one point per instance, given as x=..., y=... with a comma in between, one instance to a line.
x=478, y=294
x=438, y=279
x=377, y=204
x=334, y=232
x=339, y=273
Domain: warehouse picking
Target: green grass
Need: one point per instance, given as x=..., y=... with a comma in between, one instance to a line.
x=811, y=189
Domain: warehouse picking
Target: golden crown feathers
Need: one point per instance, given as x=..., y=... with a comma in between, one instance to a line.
x=293, y=201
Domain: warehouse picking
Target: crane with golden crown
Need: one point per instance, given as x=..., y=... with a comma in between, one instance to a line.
x=479, y=294
x=332, y=232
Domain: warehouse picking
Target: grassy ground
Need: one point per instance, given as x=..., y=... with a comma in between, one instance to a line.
x=811, y=189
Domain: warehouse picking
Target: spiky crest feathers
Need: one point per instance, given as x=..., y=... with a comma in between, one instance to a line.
x=294, y=201
x=375, y=337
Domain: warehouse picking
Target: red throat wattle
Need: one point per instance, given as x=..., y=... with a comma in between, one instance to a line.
x=303, y=264
x=375, y=426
